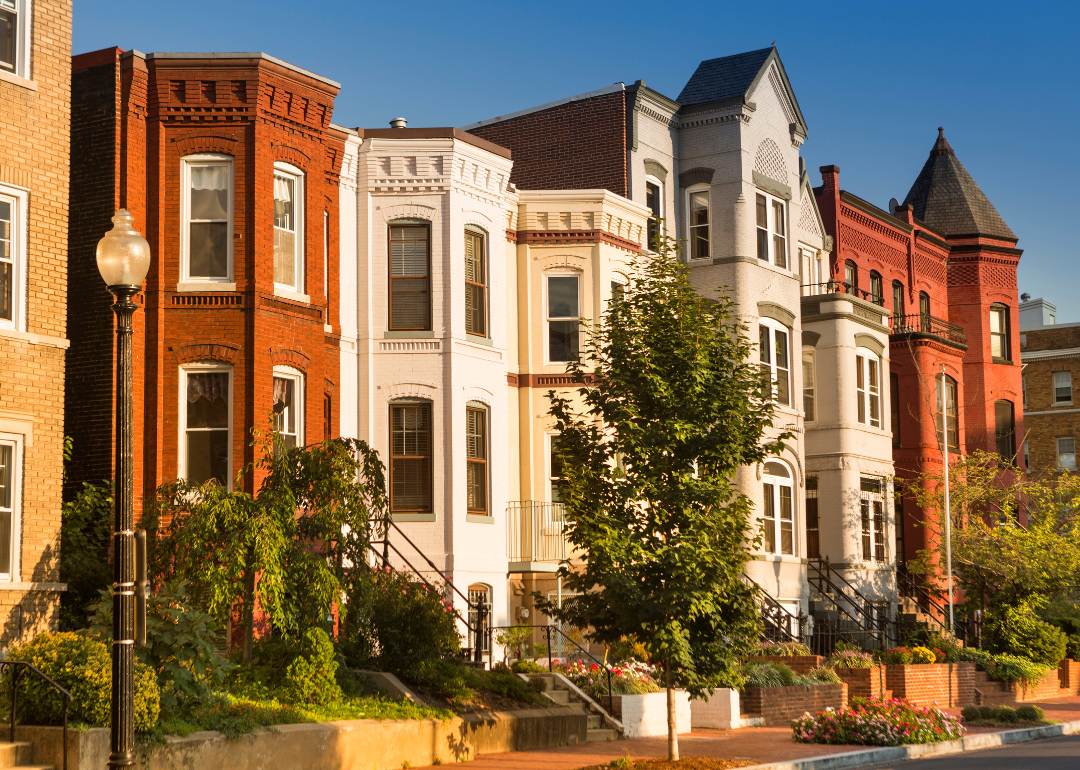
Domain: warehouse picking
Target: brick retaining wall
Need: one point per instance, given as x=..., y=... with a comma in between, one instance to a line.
x=927, y=684
x=780, y=705
x=800, y=664
x=863, y=682
x=1069, y=676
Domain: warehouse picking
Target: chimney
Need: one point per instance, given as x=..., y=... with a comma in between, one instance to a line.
x=397, y=123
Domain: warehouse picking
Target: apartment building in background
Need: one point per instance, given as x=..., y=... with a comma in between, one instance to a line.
x=35, y=81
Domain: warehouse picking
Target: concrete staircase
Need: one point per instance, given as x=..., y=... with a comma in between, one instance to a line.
x=558, y=693
x=17, y=756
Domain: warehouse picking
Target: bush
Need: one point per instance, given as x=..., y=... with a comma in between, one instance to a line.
x=869, y=722
x=1018, y=630
x=852, y=659
x=923, y=655
x=768, y=675
x=523, y=666
x=784, y=649
x=971, y=713
x=446, y=678
x=1006, y=714
x=629, y=677
x=1007, y=668
x=397, y=622
x=627, y=648
x=986, y=712
x=1030, y=713
x=899, y=656
x=1072, y=647
x=825, y=675
x=83, y=667
x=310, y=678
x=85, y=539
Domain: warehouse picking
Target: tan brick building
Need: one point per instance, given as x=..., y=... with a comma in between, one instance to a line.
x=1050, y=355
x=35, y=83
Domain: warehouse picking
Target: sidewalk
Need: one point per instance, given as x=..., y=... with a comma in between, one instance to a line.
x=760, y=744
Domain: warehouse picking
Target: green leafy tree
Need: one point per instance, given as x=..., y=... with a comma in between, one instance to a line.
x=650, y=448
x=85, y=540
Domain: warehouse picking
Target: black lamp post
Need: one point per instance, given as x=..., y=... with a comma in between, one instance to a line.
x=123, y=258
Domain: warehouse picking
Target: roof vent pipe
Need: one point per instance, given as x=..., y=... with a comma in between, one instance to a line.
x=397, y=123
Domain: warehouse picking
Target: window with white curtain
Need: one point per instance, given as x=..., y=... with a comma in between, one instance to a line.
x=288, y=406
x=206, y=423
x=288, y=227
x=809, y=404
x=868, y=388
x=10, y=491
x=698, y=206
x=1063, y=388
x=208, y=211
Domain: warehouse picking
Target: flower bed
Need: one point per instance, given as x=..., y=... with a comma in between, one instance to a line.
x=630, y=677
x=877, y=723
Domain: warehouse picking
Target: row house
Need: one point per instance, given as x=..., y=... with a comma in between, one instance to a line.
x=35, y=82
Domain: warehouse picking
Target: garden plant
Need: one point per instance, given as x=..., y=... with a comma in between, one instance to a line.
x=871, y=722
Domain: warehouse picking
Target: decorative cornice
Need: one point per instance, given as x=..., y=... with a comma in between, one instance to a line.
x=568, y=237
x=546, y=380
x=511, y=236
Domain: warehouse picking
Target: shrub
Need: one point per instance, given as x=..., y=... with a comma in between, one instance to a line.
x=941, y=656
x=852, y=659
x=446, y=678
x=310, y=678
x=1030, y=713
x=986, y=712
x=824, y=674
x=523, y=666
x=870, y=722
x=537, y=685
x=1017, y=630
x=970, y=713
x=82, y=666
x=1006, y=714
x=630, y=677
x=1072, y=647
x=899, y=656
x=768, y=675
x=784, y=649
x=1007, y=668
x=627, y=648
x=923, y=655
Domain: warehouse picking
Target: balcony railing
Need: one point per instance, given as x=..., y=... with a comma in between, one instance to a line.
x=841, y=287
x=536, y=533
x=924, y=323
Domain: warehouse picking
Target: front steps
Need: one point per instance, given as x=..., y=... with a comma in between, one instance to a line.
x=556, y=692
x=16, y=756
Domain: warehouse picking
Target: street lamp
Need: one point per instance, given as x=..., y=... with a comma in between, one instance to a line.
x=123, y=259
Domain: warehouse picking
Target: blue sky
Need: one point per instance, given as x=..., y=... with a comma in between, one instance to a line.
x=874, y=80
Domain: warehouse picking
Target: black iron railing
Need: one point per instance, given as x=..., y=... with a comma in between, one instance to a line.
x=549, y=630
x=13, y=668
x=841, y=287
x=935, y=606
x=924, y=323
x=778, y=623
x=858, y=618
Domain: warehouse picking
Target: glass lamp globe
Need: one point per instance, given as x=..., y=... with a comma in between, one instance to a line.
x=123, y=255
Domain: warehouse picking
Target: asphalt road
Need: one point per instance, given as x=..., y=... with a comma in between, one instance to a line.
x=1047, y=754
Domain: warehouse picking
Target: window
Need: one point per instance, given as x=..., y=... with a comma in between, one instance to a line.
x=872, y=515
x=12, y=259
x=207, y=235
x=288, y=227
x=851, y=276
x=563, y=312
x=410, y=457
x=897, y=299
x=773, y=355
x=207, y=430
x=771, y=230
x=1004, y=431
x=813, y=533
x=894, y=409
x=1066, y=453
x=898, y=518
x=326, y=253
x=556, y=483
x=328, y=417
x=654, y=203
x=811, y=268
x=924, y=311
x=476, y=454
x=876, y=295
x=288, y=406
x=410, y=288
x=999, y=332
x=10, y=489
x=809, y=406
x=868, y=388
x=15, y=37
x=951, y=416
x=618, y=291
x=779, y=517
x=479, y=602
x=1063, y=387
x=699, y=224
x=475, y=284
x=1023, y=389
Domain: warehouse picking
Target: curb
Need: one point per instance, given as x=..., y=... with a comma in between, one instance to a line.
x=869, y=757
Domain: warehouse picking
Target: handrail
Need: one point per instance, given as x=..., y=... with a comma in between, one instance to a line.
x=909, y=587
x=777, y=609
x=841, y=287
x=867, y=620
x=13, y=666
x=925, y=323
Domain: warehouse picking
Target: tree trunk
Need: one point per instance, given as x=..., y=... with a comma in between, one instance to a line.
x=672, y=735
x=249, y=614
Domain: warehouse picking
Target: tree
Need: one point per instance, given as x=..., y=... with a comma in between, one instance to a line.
x=290, y=547
x=649, y=452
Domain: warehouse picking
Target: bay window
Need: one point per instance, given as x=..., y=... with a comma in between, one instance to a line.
x=288, y=407
x=410, y=275
x=868, y=388
x=206, y=424
x=948, y=385
x=777, y=511
x=288, y=227
x=208, y=212
x=872, y=519
x=999, y=332
x=410, y=457
x=773, y=356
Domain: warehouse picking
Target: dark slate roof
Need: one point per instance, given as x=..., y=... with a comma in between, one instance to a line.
x=945, y=197
x=724, y=78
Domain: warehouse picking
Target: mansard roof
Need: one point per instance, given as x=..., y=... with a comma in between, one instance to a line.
x=945, y=197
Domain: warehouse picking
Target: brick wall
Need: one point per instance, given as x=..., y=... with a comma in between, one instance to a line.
x=780, y=705
x=800, y=664
x=1044, y=419
x=1069, y=676
x=926, y=684
x=864, y=682
x=573, y=146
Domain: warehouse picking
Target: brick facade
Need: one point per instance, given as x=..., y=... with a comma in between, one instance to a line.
x=135, y=118
x=780, y=705
x=928, y=684
x=1044, y=351
x=34, y=153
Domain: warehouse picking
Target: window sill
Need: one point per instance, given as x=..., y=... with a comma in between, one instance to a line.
x=206, y=286
x=1061, y=403
x=35, y=339
x=409, y=335
x=406, y=517
x=6, y=585
x=7, y=77
x=477, y=340
x=1002, y=361
x=286, y=293
x=477, y=518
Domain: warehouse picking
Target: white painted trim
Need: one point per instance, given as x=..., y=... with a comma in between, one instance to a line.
x=299, y=394
x=686, y=193
x=24, y=21
x=186, y=278
x=17, y=441
x=206, y=286
x=299, y=209
x=7, y=77
x=205, y=366
x=770, y=220
x=20, y=204
x=281, y=290
x=559, y=273
x=1035, y=355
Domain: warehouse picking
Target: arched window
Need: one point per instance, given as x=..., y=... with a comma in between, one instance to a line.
x=851, y=276
x=950, y=409
x=876, y=292
x=479, y=616
x=924, y=311
x=897, y=299
x=778, y=511
x=1004, y=430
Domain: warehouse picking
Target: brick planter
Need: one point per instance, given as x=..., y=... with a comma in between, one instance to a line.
x=864, y=682
x=779, y=705
x=800, y=664
x=1069, y=676
x=928, y=684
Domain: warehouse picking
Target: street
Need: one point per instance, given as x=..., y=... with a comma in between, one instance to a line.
x=1050, y=754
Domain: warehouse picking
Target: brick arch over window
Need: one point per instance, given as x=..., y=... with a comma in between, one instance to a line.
x=225, y=144
x=225, y=352
x=410, y=211
x=477, y=218
x=481, y=395
x=283, y=356
x=286, y=154
x=571, y=261
x=329, y=386
x=399, y=390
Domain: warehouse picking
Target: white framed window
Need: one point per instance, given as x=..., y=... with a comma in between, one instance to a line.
x=206, y=423
x=206, y=235
x=812, y=268
x=773, y=353
x=476, y=458
x=563, y=306
x=11, y=459
x=654, y=202
x=868, y=388
x=771, y=217
x=556, y=491
x=476, y=294
x=778, y=509
x=15, y=19
x=288, y=406
x=999, y=332
x=1062, y=388
x=12, y=258
x=288, y=228
x=410, y=457
x=1066, y=453
x=697, y=207
x=872, y=516
x=809, y=404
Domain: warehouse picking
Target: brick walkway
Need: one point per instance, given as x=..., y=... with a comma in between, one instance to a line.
x=760, y=744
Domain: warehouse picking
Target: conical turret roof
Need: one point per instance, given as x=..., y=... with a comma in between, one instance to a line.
x=945, y=197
